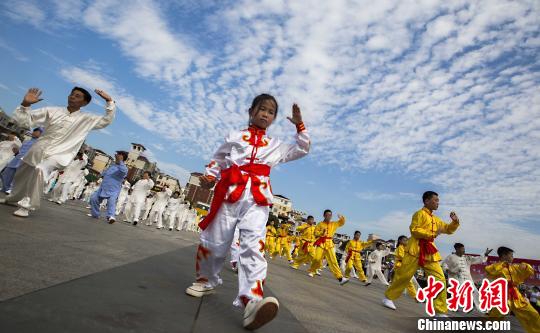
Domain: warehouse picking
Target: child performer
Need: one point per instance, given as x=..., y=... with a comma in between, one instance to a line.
x=422, y=252
x=375, y=264
x=271, y=234
x=353, y=252
x=398, y=256
x=515, y=274
x=241, y=199
x=324, y=246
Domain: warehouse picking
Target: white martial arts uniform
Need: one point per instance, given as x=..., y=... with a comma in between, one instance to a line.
x=375, y=261
x=64, y=133
x=71, y=175
x=51, y=181
x=459, y=268
x=156, y=215
x=172, y=210
x=148, y=202
x=180, y=215
x=136, y=200
x=241, y=200
x=122, y=197
x=6, y=151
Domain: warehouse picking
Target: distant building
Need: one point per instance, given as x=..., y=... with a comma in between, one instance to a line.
x=162, y=179
x=100, y=161
x=8, y=125
x=138, y=164
x=281, y=206
x=195, y=194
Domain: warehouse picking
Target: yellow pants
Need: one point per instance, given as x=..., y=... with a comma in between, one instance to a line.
x=282, y=244
x=411, y=289
x=528, y=317
x=330, y=255
x=404, y=274
x=286, y=250
x=304, y=257
x=270, y=246
x=357, y=263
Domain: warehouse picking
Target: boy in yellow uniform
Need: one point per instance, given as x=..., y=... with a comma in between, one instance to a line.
x=282, y=243
x=515, y=274
x=324, y=246
x=294, y=239
x=306, y=251
x=353, y=257
x=271, y=234
x=398, y=261
x=421, y=252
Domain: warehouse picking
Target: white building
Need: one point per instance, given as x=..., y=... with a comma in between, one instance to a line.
x=281, y=206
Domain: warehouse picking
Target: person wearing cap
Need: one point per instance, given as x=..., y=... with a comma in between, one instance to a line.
x=65, y=129
x=11, y=168
x=110, y=187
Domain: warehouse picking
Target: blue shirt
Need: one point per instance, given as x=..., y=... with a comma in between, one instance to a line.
x=112, y=180
x=25, y=147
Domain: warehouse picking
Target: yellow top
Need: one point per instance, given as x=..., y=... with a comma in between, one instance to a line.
x=328, y=229
x=356, y=246
x=307, y=232
x=271, y=231
x=283, y=230
x=517, y=273
x=425, y=225
x=398, y=255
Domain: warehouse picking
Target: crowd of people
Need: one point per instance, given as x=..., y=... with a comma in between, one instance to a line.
x=236, y=223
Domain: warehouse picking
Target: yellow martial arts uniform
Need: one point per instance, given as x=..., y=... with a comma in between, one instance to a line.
x=283, y=244
x=296, y=247
x=516, y=274
x=398, y=257
x=306, y=251
x=324, y=233
x=425, y=227
x=353, y=257
x=270, y=239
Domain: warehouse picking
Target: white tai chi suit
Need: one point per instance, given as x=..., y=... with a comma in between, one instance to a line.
x=183, y=212
x=148, y=202
x=241, y=200
x=88, y=190
x=78, y=186
x=193, y=221
x=64, y=133
x=156, y=215
x=459, y=268
x=375, y=259
x=50, y=183
x=6, y=151
x=71, y=175
x=172, y=210
x=122, y=197
x=135, y=203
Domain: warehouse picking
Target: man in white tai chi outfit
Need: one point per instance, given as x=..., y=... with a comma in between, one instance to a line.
x=375, y=258
x=65, y=128
x=136, y=201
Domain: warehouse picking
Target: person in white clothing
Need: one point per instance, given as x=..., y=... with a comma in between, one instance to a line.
x=172, y=209
x=78, y=186
x=123, y=197
x=458, y=266
x=65, y=130
x=8, y=149
x=88, y=190
x=50, y=183
x=156, y=215
x=139, y=191
x=375, y=264
x=69, y=177
x=148, y=203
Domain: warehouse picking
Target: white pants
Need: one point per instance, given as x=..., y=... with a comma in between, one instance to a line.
x=133, y=210
x=156, y=215
x=61, y=192
x=147, y=211
x=235, y=246
x=29, y=181
x=171, y=217
x=376, y=271
x=250, y=219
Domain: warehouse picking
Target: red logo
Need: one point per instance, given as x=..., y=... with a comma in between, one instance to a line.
x=428, y=293
x=460, y=296
x=494, y=294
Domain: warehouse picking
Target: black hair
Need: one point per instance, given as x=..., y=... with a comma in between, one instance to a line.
x=428, y=195
x=326, y=211
x=177, y=192
x=310, y=217
x=37, y=129
x=261, y=98
x=357, y=232
x=86, y=94
x=124, y=154
x=148, y=172
x=458, y=245
x=378, y=244
x=503, y=250
x=400, y=238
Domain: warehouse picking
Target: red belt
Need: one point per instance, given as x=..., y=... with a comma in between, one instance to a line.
x=321, y=240
x=426, y=247
x=305, y=246
x=349, y=254
x=234, y=176
x=512, y=292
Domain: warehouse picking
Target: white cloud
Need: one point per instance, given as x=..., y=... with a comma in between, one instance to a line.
x=25, y=11
x=379, y=196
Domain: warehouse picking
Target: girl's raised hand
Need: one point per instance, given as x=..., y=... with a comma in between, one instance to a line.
x=296, y=115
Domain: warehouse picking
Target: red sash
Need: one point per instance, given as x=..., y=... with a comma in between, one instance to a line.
x=426, y=247
x=234, y=176
x=349, y=255
x=321, y=240
x=305, y=246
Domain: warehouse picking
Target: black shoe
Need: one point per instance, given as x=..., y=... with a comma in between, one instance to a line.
x=134, y=223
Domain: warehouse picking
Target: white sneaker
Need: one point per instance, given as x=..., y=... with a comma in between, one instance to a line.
x=199, y=290
x=21, y=212
x=310, y=275
x=343, y=281
x=260, y=312
x=318, y=272
x=50, y=199
x=293, y=267
x=388, y=303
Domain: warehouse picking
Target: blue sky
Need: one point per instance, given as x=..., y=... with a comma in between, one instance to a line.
x=399, y=97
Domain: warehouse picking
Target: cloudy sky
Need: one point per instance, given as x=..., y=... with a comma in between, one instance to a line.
x=399, y=97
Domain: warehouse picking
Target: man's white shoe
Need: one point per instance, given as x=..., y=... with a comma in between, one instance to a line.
x=260, y=312
x=318, y=272
x=310, y=274
x=21, y=212
x=199, y=290
x=388, y=303
x=343, y=281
